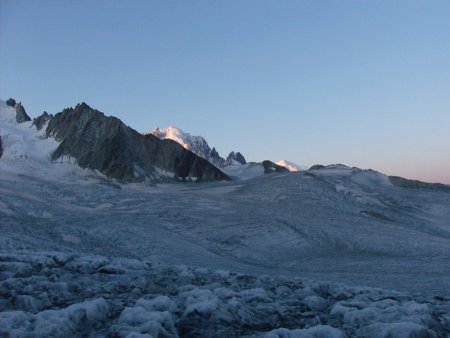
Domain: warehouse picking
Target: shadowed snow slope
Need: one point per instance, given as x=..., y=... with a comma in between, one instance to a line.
x=244, y=171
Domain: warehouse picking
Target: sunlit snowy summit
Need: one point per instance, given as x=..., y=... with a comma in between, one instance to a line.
x=291, y=165
x=199, y=146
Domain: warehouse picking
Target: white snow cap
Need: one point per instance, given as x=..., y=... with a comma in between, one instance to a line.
x=291, y=165
x=187, y=140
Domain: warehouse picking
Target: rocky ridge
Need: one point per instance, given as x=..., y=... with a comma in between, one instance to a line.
x=106, y=144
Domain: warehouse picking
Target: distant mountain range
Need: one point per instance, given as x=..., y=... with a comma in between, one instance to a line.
x=235, y=165
x=199, y=146
x=95, y=141
x=92, y=140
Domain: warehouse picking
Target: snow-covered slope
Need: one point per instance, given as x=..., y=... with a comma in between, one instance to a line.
x=243, y=172
x=27, y=151
x=341, y=224
x=290, y=165
x=337, y=225
x=251, y=170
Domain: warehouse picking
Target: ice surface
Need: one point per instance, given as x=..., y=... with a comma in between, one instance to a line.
x=75, y=295
x=318, y=331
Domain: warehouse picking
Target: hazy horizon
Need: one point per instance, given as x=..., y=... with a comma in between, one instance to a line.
x=365, y=84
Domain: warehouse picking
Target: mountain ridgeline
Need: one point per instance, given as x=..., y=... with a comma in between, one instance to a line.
x=106, y=144
x=199, y=146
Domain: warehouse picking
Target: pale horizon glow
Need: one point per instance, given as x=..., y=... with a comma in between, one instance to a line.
x=361, y=83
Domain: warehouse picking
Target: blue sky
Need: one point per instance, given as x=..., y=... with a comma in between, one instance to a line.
x=365, y=83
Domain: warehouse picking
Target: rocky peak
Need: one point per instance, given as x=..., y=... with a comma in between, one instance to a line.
x=11, y=102
x=235, y=157
x=21, y=115
x=105, y=143
x=196, y=144
x=83, y=106
x=214, y=153
x=41, y=120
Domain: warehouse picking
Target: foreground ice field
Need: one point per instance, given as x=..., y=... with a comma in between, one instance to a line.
x=65, y=295
x=82, y=255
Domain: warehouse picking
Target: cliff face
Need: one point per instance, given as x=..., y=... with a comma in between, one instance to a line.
x=21, y=114
x=108, y=145
x=235, y=158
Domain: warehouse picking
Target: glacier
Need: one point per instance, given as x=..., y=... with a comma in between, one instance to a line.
x=335, y=252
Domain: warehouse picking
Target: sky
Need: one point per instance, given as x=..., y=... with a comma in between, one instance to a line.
x=359, y=82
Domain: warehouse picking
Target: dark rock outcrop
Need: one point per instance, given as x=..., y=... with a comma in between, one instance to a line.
x=21, y=115
x=317, y=167
x=118, y=151
x=11, y=102
x=414, y=184
x=215, y=158
x=40, y=121
x=238, y=157
x=270, y=167
x=214, y=153
x=1, y=147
